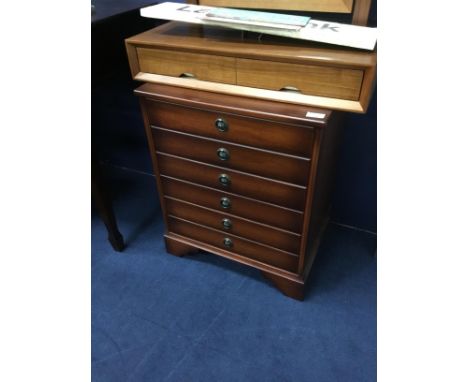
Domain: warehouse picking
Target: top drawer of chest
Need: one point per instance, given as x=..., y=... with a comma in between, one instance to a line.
x=281, y=137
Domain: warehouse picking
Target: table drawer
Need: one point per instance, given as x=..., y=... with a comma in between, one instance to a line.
x=243, y=247
x=308, y=79
x=268, y=135
x=243, y=158
x=177, y=64
x=284, y=218
x=234, y=225
x=283, y=194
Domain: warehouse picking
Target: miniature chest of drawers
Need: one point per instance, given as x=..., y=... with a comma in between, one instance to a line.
x=242, y=154
x=243, y=178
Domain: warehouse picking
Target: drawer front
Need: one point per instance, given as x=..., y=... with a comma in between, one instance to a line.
x=202, y=66
x=238, y=246
x=233, y=204
x=268, y=135
x=308, y=79
x=281, y=167
x=231, y=224
x=282, y=194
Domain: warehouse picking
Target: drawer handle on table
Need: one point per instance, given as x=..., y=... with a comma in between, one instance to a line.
x=290, y=89
x=228, y=242
x=225, y=202
x=224, y=179
x=223, y=153
x=221, y=125
x=188, y=75
x=227, y=223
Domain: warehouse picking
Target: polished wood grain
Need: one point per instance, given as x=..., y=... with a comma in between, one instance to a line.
x=257, y=93
x=361, y=12
x=266, y=190
x=286, y=241
x=317, y=208
x=317, y=211
x=202, y=66
x=289, y=138
x=266, y=213
x=211, y=249
x=253, y=109
x=337, y=6
x=180, y=37
x=293, y=288
x=178, y=248
x=154, y=161
x=262, y=111
x=307, y=79
x=341, y=67
x=240, y=246
x=242, y=158
x=132, y=59
x=191, y=199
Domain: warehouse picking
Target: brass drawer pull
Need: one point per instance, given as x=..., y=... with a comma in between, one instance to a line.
x=221, y=125
x=225, y=202
x=228, y=242
x=188, y=75
x=223, y=153
x=227, y=223
x=224, y=179
x=291, y=89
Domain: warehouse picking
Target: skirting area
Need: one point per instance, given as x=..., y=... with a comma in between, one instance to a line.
x=156, y=317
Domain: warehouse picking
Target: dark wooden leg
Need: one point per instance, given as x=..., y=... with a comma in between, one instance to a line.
x=290, y=288
x=178, y=248
x=104, y=206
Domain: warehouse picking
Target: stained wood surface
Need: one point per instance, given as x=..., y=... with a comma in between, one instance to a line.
x=308, y=79
x=180, y=37
x=361, y=12
x=275, y=201
x=242, y=158
x=202, y=66
x=283, y=113
x=290, y=139
x=241, y=246
x=317, y=211
x=266, y=213
x=257, y=93
x=290, y=288
x=330, y=77
x=266, y=190
x=249, y=229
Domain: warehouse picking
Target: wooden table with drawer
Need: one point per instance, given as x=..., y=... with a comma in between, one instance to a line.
x=247, y=179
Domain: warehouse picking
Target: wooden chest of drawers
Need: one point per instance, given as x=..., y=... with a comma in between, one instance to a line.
x=243, y=178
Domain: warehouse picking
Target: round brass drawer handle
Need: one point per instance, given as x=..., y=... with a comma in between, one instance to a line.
x=226, y=223
x=228, y=242
x=224, y=179
x=225, y=202
x=223, y=153
x=221, y=125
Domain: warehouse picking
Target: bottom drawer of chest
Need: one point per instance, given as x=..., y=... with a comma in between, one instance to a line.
x=234, y=244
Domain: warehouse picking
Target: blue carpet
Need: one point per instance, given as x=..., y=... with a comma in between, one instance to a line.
x=156, y=317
